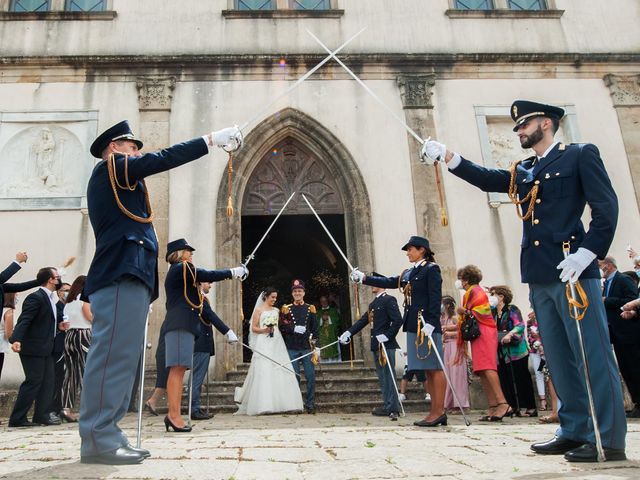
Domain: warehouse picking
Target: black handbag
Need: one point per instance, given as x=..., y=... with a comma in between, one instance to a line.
x=469, y=329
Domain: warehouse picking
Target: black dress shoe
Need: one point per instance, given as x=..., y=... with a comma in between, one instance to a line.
x=310, y=410
x=200, y=415
x=393, y=416
x=441, y=420
x=50, y=419
x=24, y=423
x=589, y=453
x=141, y=451
x=119, y=456
x=555, y=446
x=380, y=412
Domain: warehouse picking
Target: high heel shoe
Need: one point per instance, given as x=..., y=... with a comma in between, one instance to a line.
x=150, y=409
x=486, y=418
x=168, y=423
x=441, y=420
x=531, y=413
x=498, y=418
x=67, y=416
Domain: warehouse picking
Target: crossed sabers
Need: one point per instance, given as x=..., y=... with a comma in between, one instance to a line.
x=332, y=55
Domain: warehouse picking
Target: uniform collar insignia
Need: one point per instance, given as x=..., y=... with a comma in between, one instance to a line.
x=562, y=147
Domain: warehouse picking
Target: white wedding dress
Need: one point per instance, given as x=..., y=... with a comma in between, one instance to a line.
x=269, y=388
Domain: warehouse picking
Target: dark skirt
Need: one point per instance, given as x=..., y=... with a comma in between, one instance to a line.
x=179, y=348
x=76, y=345
x=516, y=384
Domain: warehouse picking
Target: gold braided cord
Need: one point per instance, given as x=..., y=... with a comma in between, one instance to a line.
x=513, y=194
x=420, y=338
x=382, y=358
x=229, y=181
x=113, y=179
x=577, y=306
x=186, y=267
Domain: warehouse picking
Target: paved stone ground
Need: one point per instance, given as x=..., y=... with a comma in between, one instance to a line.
x=309, y=447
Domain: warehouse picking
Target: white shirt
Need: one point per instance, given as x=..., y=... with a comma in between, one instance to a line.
x=53, y=299
x=74, y=315
x=5, y=346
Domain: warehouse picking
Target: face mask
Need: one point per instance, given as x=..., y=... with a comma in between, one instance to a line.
x=59, y=285
x=65, y=295
x=458, y=284
x=441, y=308
x=602, y=273
x=493, y=301
x=638, y=273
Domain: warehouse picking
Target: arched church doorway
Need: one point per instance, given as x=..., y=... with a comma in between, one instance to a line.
x=297, y=247
x=350, y=201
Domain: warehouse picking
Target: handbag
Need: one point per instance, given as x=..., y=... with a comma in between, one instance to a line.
x=469, y=329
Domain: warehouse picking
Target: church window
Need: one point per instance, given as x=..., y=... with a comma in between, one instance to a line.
x=85, y=5
x=473, y=4
x=527, y=5
x=29, y=6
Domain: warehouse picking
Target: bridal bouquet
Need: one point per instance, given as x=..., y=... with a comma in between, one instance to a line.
x=271, y=321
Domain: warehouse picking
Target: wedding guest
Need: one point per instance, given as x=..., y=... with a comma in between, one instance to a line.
x=536, y=357
x=457, y=371
x=6, y=324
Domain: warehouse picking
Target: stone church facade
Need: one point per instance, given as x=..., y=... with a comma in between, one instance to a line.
x=448, y=69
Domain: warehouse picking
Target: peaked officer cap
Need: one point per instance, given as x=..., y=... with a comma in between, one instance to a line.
x=416, y=241
x=523, y=110
x=120, y=131
x=176, y=246
x=297, y=284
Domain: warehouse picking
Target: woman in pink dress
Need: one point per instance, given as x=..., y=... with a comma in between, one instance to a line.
x=457, y=371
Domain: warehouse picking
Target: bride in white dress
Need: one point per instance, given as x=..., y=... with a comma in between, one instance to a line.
x=268, y=388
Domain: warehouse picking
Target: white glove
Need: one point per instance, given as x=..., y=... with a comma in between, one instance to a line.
x=228, y=137
x=345, y=337
x=317, y=350
x=432, y=152
x=382, y=338
x=240, y=272
x=574, y=264
x=299, y=329
x=356, y=276
x=232, y=337
x=402, y=397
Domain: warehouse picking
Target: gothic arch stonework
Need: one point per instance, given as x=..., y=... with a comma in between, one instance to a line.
x=321, y=144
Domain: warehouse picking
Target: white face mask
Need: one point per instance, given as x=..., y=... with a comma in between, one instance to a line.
x=602, y=273
x=458, y=284
x=493, y=301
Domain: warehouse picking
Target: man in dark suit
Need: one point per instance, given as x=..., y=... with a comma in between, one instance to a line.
x=10, y=271
x=551, y=190
x=385, y=319
x=58, y=354
x=123, y=279
x=32, y=338
x=619, y=289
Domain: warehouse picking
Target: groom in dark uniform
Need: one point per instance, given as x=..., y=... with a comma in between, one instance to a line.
x=300, y=331
x=385, y=319
x=551, y=190
x=123, y=279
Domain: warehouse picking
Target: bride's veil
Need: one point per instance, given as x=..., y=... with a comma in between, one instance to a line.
x=259, y=303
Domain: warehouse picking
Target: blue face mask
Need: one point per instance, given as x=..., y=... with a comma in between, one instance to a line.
x=638, y=273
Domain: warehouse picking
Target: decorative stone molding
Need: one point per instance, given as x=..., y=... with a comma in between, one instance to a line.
x=416, y=90
x=155, y=93
x=625, y=90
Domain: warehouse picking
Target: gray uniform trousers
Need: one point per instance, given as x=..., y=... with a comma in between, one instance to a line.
x=119, y=315
x=387, y=382
x=562, y=352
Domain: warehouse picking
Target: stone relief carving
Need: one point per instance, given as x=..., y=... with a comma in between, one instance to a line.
x=625, y=90
x=290, y=167
x=42, y=161
x=416, y=90
x=155, y=93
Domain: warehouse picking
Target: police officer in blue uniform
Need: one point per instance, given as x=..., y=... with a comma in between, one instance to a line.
x=384, y=317
x=551, y=190
x=299, y=328
x=422, y=288
x=123, y=279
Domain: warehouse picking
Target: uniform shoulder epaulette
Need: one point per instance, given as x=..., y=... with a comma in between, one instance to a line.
x=285, y=308
x=312, y=308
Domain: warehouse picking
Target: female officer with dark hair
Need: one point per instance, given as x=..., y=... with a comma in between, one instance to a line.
x=181, y=324
x=422, y=288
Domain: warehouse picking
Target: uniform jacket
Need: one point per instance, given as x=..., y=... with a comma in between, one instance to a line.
x=181, y=315
x=205, y=343
x=9, y=272
x=570, y=177
x=36, y=326
x=304, y=315
x=125, y=247
x=426, y=294
x=387, y=320
x=621, y=290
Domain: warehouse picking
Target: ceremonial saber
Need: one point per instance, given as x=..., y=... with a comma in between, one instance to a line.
x=335, y=244
x=587, y=375
x=444, y=220
x=141, y=393
x=393, y=377
x=250, y=256
x=298, y=82
x=311, y=352
x=426, y=327
x=268, y=358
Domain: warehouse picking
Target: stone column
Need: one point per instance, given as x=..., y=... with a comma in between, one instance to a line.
x=416, y=92
x=625, y=95
x=154, y=99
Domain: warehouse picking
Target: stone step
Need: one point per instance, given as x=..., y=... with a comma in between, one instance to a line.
x=328, y=366
x=334, y=372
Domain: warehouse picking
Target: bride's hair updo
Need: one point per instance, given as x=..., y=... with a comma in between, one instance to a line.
x=268, y=291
